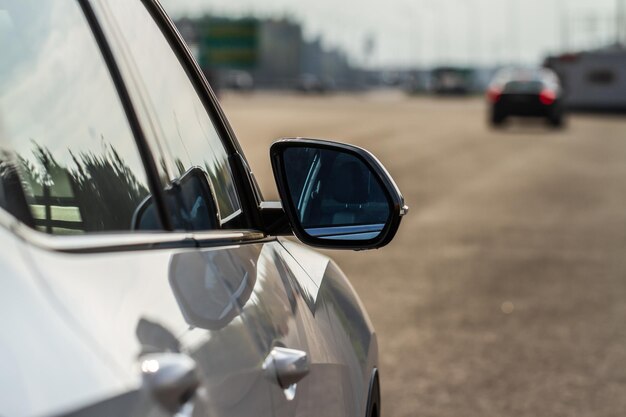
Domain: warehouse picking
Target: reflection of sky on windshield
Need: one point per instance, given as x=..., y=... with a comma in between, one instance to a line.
x=56, y=90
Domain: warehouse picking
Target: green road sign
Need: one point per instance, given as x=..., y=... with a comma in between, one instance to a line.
x=228, y=43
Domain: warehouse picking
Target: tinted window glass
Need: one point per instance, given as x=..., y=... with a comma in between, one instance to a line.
x=601, y=76
x=523, y=87
x=178, y=118
x=63, y=130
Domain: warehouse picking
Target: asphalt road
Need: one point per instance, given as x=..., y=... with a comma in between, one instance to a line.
x=504, y=293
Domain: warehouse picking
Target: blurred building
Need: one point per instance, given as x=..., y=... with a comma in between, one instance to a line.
x=272, y=53
x=331, y=66
x=280, y=51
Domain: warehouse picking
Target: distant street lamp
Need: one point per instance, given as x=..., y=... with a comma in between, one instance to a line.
x=620, y=22
x=514, y=29
x=474, y=40
x=562, y=12
x=416, y=31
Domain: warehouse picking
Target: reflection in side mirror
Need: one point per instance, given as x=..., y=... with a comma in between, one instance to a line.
x=336, y=195
x=190, y=203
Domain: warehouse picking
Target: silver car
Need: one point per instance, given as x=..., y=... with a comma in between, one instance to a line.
x=142, y=273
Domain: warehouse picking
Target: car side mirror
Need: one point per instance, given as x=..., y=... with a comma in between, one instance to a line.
x=335, y=195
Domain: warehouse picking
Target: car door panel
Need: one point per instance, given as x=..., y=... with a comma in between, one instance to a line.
x=225, y=307
x=123, y=305
x=278, y=312
x=45, y=358
x=347, y=333
x=271, y=313
x=326, y=391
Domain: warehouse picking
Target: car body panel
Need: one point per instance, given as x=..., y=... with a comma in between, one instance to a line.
x=337, y=303
x=226, y=307
x=528, y=105
x=125, y=305
x=47, y=364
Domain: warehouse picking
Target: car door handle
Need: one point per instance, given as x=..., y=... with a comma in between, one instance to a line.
x=286, y=367
x=171, y=378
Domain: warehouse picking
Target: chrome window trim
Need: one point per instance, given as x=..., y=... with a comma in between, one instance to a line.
x=229, y=217
x=329, y=232
x=126, y=241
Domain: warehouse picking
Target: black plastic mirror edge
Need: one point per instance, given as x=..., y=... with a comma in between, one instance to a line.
x=397, y=207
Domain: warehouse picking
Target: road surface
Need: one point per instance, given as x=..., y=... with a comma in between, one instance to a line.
x=504, y=293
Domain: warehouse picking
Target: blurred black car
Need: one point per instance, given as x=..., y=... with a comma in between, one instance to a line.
x=526, y=93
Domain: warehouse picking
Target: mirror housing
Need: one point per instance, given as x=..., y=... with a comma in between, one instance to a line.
x=335, y=195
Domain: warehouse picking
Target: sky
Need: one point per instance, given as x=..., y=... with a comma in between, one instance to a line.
x=431, y=32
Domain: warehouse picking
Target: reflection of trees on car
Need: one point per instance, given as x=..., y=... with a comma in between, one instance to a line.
x=100, y=192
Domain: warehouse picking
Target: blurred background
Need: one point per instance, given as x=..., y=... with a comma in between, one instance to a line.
x=505, y=291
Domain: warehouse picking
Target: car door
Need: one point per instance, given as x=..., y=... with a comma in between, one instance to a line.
x=106, y=162
x=280, y=310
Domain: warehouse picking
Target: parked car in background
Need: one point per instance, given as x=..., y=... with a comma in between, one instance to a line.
x=239, y=80
x=143, y=273
x=526, y=92
x=456, y=81
x=311, y=83
x=417, y=82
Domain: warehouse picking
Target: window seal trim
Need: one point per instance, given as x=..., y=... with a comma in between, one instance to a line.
x=127, y=241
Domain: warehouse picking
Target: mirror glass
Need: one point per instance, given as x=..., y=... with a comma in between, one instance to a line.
x=335, y=194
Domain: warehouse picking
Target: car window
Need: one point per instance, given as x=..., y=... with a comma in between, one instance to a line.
x=65, y=143
x=523, y=86
x=178, y=118
x=601, y=76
